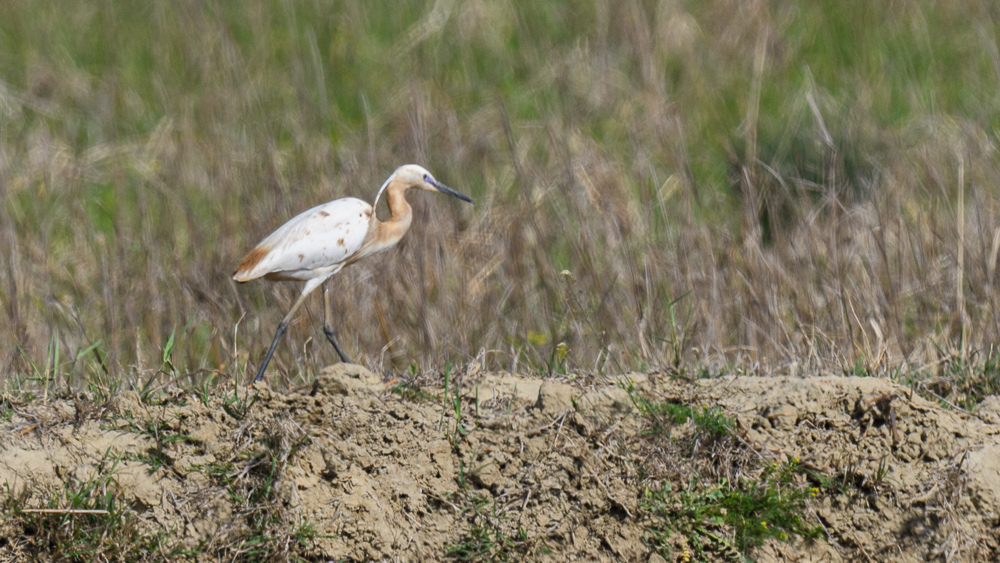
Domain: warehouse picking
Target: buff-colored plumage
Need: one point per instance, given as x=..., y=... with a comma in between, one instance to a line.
x=318, y=243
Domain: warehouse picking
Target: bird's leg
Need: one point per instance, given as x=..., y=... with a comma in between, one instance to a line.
x=328, y=328
x=282, y=327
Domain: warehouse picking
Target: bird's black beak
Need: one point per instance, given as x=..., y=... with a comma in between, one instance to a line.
x=446, y=190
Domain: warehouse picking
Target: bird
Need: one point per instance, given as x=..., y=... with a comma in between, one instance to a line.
x=320, y=242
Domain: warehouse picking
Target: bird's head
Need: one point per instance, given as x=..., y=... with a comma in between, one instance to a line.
x=415, y=176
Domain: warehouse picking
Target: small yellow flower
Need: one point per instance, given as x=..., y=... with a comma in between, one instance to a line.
x=536, y=338
x=763, y=523
x=795, y=460
x=813, y=492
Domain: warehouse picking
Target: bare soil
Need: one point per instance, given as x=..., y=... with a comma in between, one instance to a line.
x=557, y=467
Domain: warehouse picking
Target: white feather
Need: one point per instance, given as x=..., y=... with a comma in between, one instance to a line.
x=313, y=244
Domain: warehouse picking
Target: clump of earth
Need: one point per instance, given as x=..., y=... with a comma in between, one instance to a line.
x=352, y=468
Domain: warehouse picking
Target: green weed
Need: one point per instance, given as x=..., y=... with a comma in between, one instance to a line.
x=489, y=537
x=251, y=480
x=85, y=521
x=967, y=379
x=162, y=435
x=413, y=392
x=236, y=406
x=729, y=519
x=452, y=402
x=850, y=480
x=661, y=416
x=678, y=336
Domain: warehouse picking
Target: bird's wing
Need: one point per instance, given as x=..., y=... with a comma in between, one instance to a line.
x=317, y=239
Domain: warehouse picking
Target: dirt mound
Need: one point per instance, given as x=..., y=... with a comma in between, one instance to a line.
x=499, y=467
x=925, y=479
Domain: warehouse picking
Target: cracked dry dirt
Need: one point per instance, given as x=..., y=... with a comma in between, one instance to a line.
x=379, y=476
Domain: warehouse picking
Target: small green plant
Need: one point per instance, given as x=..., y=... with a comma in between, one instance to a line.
x=850, y=480
x=959, y=379
x=85, y=521
x=559, y=358
x=728, y=520
x=149, y=392
x=204, y=390
x=162, y=435
x=662, y=415
x=487, y=540
x=102, y=385
x=237, y=407
x=453, y=402
x=859, y=369
x=967, y=378
x=306, y=533
x=252, y=479
x=55, y=365
x=413, y=392
x=677, y=340
x=6, y=409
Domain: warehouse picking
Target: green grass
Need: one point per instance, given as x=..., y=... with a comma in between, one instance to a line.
x=86, y=521
x=163, y=436
x=490, y=538
x=413, y=392
x=715, y=519
x=727, y=520
x=959, y=379
x=254, y=480
x=964, y=379
x=851, y=482
x=661, y=416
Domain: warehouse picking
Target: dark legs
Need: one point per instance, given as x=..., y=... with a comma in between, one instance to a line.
x=328, y=330
x=283, y=326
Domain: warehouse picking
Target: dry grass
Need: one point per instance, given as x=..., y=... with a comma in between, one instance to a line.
x=739, y=186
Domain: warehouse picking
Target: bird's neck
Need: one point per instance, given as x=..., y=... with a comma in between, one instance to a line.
x=390, y=231
x=398, y=206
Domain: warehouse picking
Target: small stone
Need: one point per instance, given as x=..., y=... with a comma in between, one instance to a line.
x=487, y=476
x=345, y=379
x=784, y=417
x=554, y=398
x=137, y=483
x=208, y=435
x=989, y=409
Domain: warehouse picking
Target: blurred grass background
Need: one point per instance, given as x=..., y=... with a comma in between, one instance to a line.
x=706, y=186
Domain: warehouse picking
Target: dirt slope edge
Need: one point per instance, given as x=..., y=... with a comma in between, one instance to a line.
x=357, y=471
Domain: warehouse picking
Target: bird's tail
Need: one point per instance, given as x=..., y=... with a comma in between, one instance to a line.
x=244, y=272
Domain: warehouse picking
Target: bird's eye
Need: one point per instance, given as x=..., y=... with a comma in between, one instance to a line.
x=428, y=179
